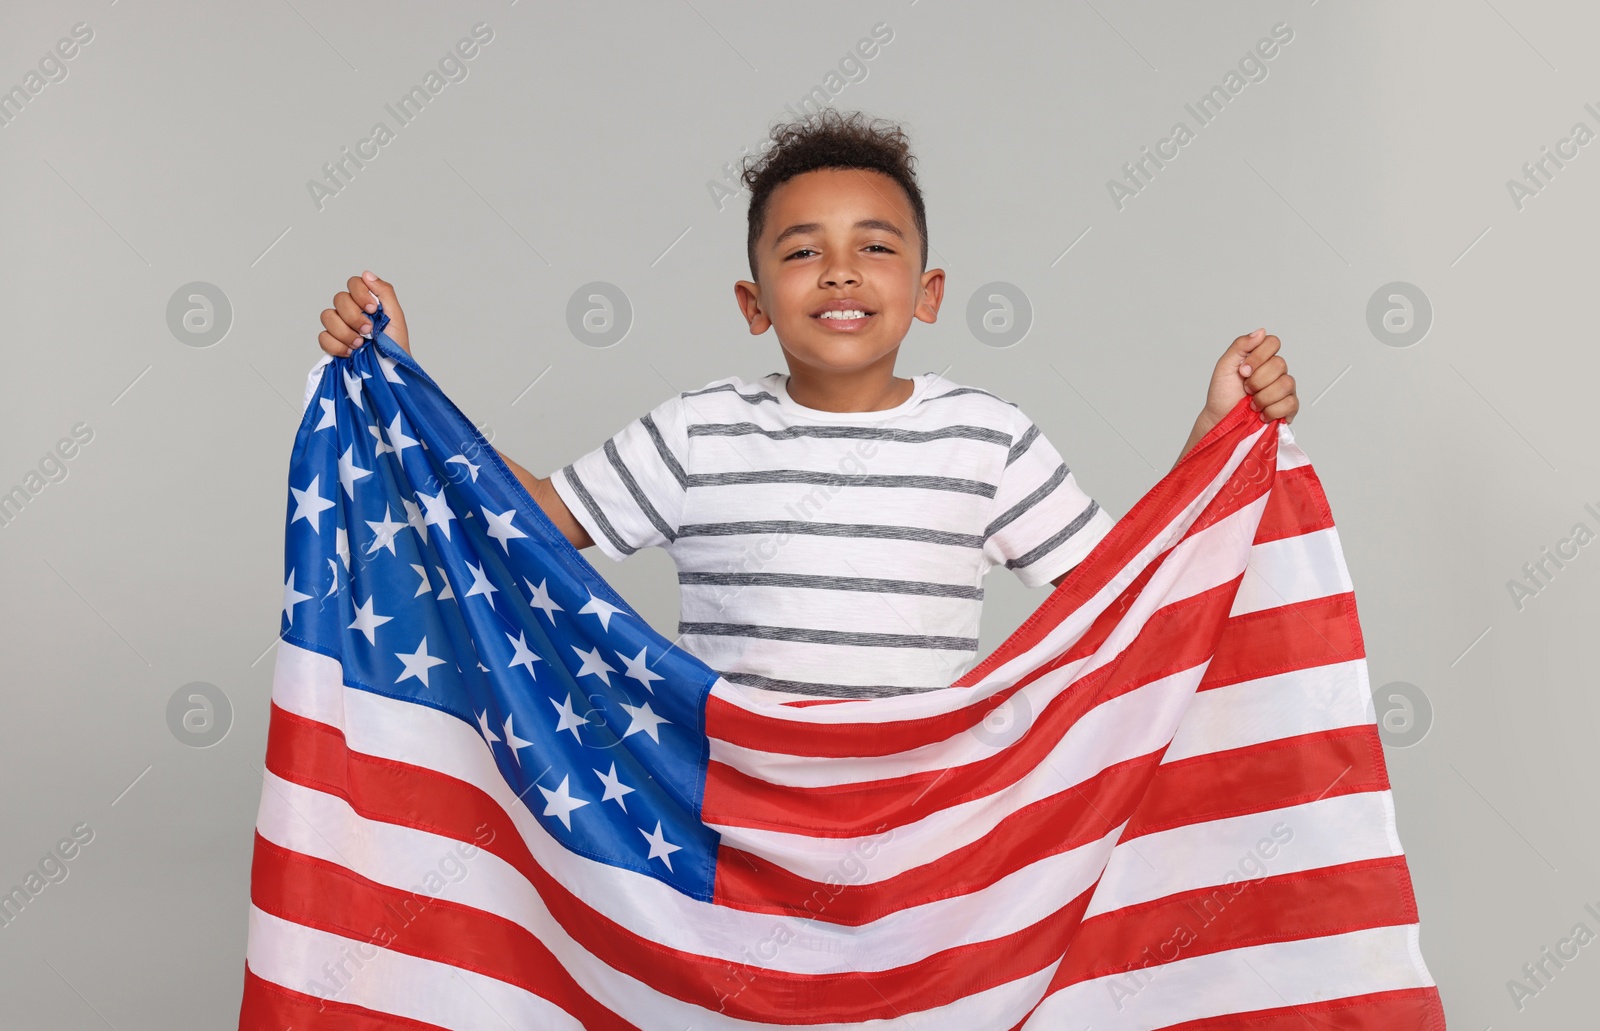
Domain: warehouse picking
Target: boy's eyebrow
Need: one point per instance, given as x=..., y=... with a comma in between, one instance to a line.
x=812, y=227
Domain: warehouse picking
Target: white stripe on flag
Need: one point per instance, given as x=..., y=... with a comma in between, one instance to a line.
x=1272, y=976
x=1290, y=570
x=1303, y=701
x=1327, y=832
x=392, y=982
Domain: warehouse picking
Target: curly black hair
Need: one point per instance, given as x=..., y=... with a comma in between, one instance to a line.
x=829, y=139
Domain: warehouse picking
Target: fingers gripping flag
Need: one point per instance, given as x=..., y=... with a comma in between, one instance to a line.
x=496, y=798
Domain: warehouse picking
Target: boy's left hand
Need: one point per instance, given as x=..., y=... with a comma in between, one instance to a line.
x=1252, y=366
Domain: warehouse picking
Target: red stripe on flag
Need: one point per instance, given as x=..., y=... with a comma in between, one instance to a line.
x=1285, y=908
x=1271, y=775
x=1296, y=506
x=1406, y=1009
x=1311, y=633
x=316, y=893
x=272, y=1007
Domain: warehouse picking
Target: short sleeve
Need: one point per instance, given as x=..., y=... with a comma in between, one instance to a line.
x=1042, y=523
x=628, y=493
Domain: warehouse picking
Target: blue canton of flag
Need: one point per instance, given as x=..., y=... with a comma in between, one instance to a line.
x=405, y=532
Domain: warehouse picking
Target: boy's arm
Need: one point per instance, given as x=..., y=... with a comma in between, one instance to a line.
x=551, y=503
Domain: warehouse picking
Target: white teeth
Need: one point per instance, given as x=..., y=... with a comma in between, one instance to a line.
x=843, y=315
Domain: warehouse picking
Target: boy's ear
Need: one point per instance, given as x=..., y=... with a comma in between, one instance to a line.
x=931, y=294
x=748, y=295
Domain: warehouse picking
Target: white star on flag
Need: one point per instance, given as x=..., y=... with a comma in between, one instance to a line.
x=660, y=848
x=500, y=527
x=368, y=621
x=569, y=720
x=414, y=517
x=390, y=373
x=352, y=386
x=638, y=670
x=604, y=609
x=327, y=413
x=349, y=472
x=524, y=656
x=292, y=597
x=593, y=664
x=513, y=742
x=447, y=593
x=560, y=804
x=379, y=447
x=424, y=587
x=480, y=583
x=439, y=511
x=644, y=719
x=385, y=532
x=615, y=789
x=398, y=441
x=541, y=600
x=309, y=505
x=489, y=736
x=417, y=663
x=341, y=546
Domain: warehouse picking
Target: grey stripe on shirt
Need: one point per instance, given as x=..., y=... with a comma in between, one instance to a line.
x=667, y=457
x=1048, y=546
x=867, y=530
x=947, y=483
x=972, y=390
x=755, y=399
x=810, y=635
x=834, y=583
x=825, y=690
x=594, y=510
x=1021, y=446
x=741, y=429
x=628, y=481
x=1038, y=494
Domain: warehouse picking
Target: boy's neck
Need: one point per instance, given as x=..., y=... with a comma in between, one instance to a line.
x=872, y=388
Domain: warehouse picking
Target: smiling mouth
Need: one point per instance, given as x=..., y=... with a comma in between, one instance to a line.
x=844, y=320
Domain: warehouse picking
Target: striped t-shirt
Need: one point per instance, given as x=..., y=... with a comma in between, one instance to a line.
x=835, y=553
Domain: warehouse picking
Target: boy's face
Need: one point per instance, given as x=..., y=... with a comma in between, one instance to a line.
x=839, y=234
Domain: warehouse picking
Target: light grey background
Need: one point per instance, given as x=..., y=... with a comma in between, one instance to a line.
x=578, y=148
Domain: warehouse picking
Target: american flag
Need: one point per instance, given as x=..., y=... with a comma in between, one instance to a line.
x=496, y=798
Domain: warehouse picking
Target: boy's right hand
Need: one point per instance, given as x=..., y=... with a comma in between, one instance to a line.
x=347, y=324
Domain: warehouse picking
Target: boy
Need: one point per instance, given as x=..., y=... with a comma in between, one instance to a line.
x=832, y=526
